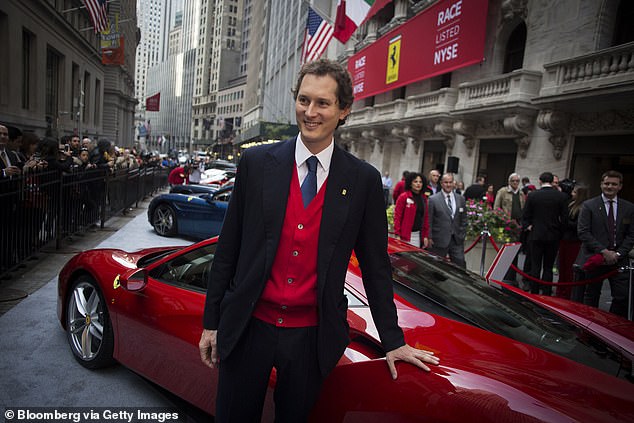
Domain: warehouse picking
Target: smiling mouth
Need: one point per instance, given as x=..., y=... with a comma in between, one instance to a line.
x=311, y=124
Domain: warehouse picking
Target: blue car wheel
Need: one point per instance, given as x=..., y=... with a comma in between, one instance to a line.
x=164, y=220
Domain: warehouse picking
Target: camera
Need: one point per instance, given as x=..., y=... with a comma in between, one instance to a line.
x=567, y=185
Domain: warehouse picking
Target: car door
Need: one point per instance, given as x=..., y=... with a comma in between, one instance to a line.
x=160, y=326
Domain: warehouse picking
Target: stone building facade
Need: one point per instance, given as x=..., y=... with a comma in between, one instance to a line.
x=52, y=80
x=555, y=92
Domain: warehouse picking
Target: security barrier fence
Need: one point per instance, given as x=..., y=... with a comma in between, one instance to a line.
x=39, y=208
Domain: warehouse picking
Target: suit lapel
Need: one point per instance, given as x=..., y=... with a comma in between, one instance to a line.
x=339, y=190
x=603, y=214
x=279, y=165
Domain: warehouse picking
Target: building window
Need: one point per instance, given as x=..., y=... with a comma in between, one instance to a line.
x=52, y=83
x=86, y=96
x=27, y=63
x=4, y=72
x=514, y=57
x=624, y=30
x=97, y=102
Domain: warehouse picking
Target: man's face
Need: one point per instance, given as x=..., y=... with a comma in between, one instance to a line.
x=610, y=186
x=317, y=110
x=514, y=182
x=4, y=136
x=447, y=183
x=555, y=181
x=74, y=143
x=434, y=175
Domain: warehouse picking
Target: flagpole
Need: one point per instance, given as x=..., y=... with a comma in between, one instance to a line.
x=81, y=7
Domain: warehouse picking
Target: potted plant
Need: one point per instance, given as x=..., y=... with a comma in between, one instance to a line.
x=497, y=222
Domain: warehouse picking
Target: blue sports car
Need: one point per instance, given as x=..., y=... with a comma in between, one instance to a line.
x=195, y=215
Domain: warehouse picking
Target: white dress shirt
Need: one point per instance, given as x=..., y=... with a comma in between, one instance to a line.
x=323, y=158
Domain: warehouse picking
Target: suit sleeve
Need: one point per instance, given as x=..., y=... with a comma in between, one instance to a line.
x=463, y=220
x=424, y=233
x=371, y=251
x=527, y=216
x=584, y=230
x=628, y=226
x=430, y=217
x=228, y=249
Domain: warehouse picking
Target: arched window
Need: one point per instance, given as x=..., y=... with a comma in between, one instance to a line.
x=514, y=57
x=624, y=30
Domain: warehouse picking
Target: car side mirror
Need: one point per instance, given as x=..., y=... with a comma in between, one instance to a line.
x=208, y=198
x=133, y=280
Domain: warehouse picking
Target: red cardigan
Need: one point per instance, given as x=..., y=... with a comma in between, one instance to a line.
x=289, y=298
x=404, y=214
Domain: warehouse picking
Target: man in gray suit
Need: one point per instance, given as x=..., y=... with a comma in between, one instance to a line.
x=605, y=227
x=448, y=222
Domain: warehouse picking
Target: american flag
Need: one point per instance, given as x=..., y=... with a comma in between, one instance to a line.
x=318, y=34
x=98, y=14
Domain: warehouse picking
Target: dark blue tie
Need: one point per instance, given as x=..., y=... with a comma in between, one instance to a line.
x=309, y=186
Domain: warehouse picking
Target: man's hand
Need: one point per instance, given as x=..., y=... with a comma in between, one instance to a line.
x=12, y=170
x=610, y=257
x=411, y=355
x=207, y=347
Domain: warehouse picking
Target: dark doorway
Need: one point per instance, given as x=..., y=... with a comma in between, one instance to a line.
x=497, y=161
x=433, y=157
x=589, y=161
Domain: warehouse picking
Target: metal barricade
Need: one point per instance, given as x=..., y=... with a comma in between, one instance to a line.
x=38, y=208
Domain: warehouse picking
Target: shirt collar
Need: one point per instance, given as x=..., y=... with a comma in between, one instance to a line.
x=302, y=153
x=511, y=190
x=606, y=199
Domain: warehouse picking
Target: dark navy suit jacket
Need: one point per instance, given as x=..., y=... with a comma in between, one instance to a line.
x=353, y=217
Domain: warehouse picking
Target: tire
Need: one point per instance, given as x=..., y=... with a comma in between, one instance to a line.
x=164, y=220
x=88, y=325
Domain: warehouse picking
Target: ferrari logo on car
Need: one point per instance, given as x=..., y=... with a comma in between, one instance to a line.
x=116, y=283
x=87, y=319
x=190, y=198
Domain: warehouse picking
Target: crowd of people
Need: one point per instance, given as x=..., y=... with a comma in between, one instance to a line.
x=25, y=152
x=562, y=229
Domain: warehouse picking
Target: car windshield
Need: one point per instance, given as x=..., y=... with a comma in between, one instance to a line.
x=152, y=257
x=433, y=285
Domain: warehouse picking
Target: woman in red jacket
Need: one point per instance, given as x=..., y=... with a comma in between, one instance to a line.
x=411, y=222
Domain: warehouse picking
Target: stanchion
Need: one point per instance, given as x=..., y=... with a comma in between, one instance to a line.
x=629, y=268
x=484, y=235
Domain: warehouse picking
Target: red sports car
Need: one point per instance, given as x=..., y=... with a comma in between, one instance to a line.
x=506, y=356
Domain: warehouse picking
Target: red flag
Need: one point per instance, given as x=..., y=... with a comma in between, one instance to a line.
x=98, y=13
x=113, y=55
x=153, y=104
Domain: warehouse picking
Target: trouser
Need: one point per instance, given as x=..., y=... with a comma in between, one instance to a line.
x=455, y=250
x=543, y=254
x=619, y=287
x=243, y=377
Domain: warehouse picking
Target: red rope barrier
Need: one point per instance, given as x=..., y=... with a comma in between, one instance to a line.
x=577, y=283
x=542, y=282
x=474, y=244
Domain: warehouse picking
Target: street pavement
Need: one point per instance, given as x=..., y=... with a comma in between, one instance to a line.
x=37, y=367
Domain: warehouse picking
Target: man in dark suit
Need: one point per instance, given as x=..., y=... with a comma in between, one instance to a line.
x=477, y=191
x=605, y=227
x=545, y=216
x=448, y=222
x=275, y=296
x=8, y=160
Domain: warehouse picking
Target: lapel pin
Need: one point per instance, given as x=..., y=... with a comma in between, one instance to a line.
x=344, y=191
